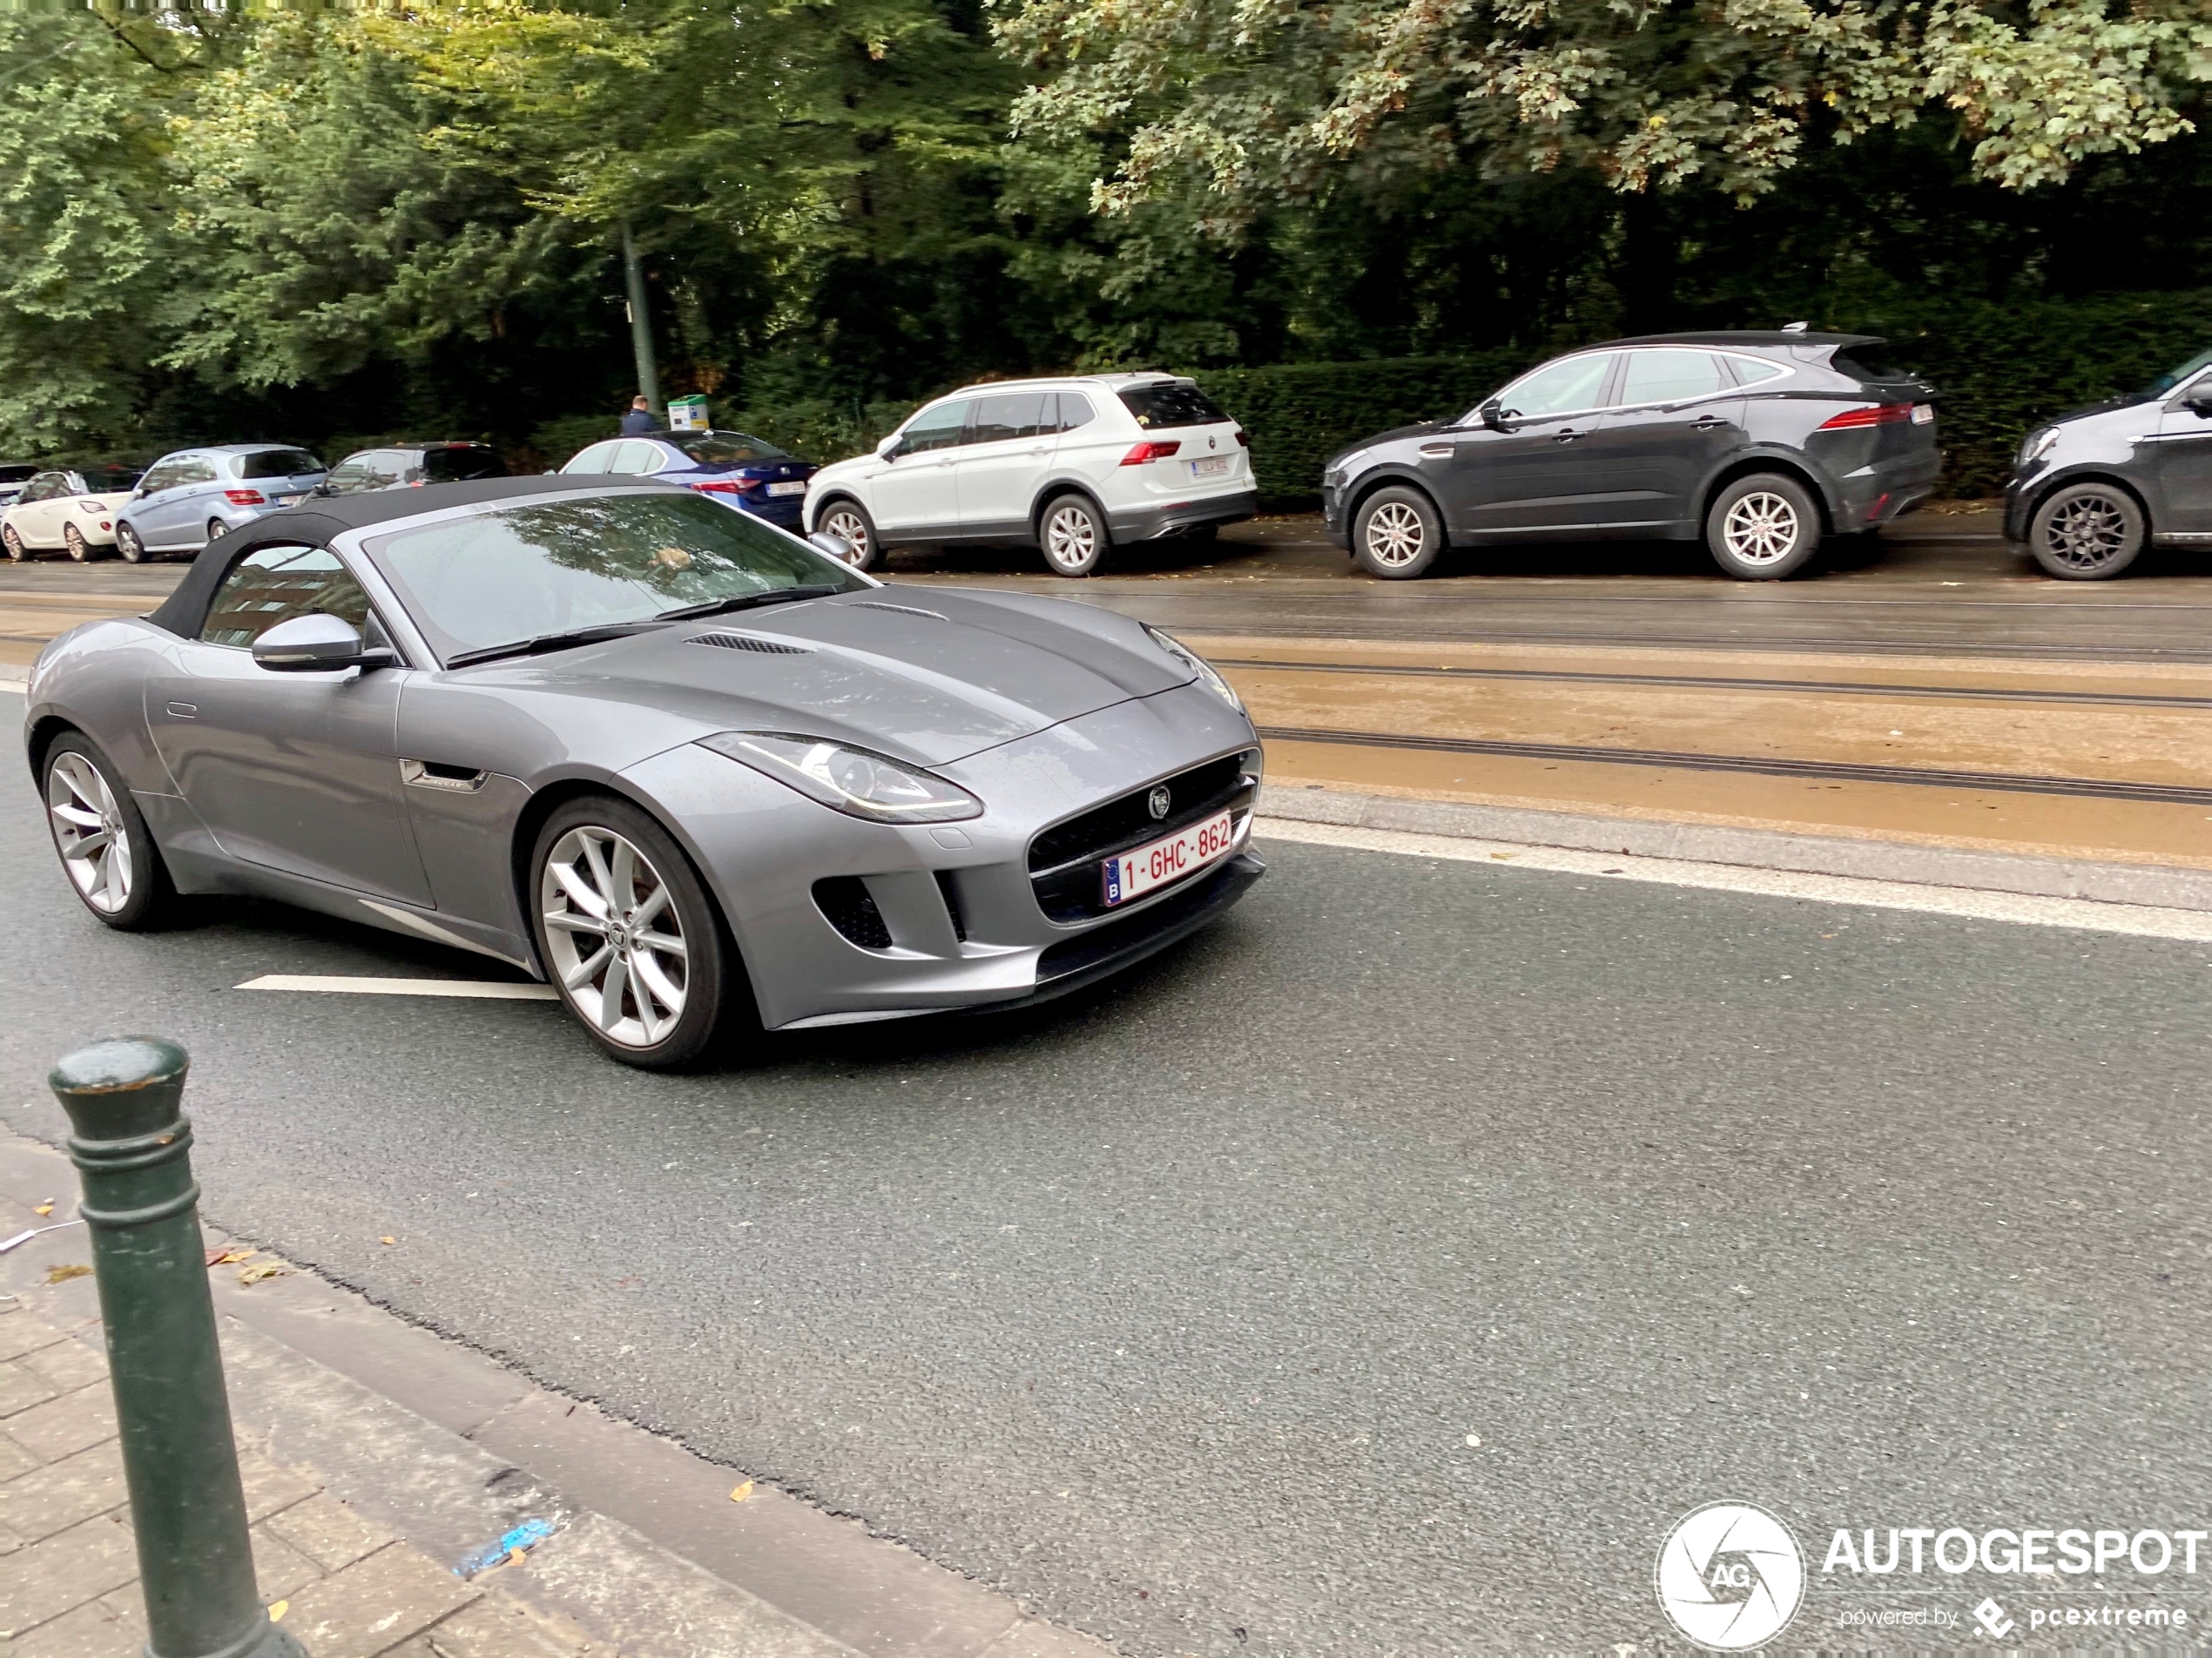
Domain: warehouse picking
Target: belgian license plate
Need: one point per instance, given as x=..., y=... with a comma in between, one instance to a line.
x=1213, y=466
x=1923, y=413
x=1135, y=873
x=787, y=488
x=289, y=501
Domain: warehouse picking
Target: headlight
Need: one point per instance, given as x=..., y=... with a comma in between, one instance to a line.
x=851, y=780
x=1199, y=665
x=2038, y=445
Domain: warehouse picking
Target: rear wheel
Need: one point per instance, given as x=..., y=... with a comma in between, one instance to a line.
x=1396, y=533
x=1074, y=537
x=849, y=522
x=216, y=529
x=13, y=542
x=626, y=931
x=107, y=850
x=1762, y=527
x=73, y=540
x=128, y=545
x=2088, y=533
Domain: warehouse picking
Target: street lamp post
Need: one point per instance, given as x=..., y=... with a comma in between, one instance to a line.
x=641, y=320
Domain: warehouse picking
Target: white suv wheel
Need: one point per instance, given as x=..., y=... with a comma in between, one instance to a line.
x=1075, y=539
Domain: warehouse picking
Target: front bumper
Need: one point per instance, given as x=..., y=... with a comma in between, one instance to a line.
x=1153, y=522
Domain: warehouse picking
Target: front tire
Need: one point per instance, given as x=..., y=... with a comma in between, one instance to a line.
x=128, y=545
x=13, y=542
x=107, y=850
x=74, y=543
x=1396, y=533
x=849, y=519
x=2088, y=533
x=628, y=934
x=1762, y=527
x=1074, y=535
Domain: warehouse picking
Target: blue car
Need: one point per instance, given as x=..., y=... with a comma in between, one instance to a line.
x=190, y=497
x=729, y=466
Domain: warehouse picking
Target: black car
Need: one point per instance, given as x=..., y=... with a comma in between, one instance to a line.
x=2090, y=489
x=1758, y=442
x=408, y=465
x=13, y=475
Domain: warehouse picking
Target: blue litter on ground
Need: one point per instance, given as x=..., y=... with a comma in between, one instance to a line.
x=524, y=1537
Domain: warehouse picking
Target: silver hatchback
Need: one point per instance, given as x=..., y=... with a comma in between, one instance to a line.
x=190, y=497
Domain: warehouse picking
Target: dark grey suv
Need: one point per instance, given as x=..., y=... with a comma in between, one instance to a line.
x=1759, y=443
x=2092, y=488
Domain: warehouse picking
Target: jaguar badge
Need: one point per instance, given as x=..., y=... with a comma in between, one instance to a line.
x=1158, y=803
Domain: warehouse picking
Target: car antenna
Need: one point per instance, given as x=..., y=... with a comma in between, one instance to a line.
x=1794, y=327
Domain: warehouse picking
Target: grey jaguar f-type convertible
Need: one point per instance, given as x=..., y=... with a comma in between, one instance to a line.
x=679, y=763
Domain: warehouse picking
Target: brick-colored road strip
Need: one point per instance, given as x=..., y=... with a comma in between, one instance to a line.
x=383, y=1465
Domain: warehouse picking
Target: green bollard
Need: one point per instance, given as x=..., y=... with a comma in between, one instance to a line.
x=133, y=1147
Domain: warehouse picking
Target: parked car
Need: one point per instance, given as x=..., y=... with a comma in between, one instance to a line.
x=1759, y=443
x=732, y=467
x=65, y=512
x=2092, y=488
x=407, y=466
x=1071, y=467
x=683, y=765
x=190, y=497
x=13, y=475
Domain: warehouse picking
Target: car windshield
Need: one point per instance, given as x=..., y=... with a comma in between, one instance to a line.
x=586, y=562
x=725, y=448
x=277, y=463
x=2166, y=382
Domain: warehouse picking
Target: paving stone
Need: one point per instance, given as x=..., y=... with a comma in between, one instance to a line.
x=52, y=1499
x=271, y=1486
x=25, y=1332
x=21, y=1387
x=65, y=1571
x=14, y=1460
x=373, y=1605
x=327, y=1531
x=279, y=1570
x=501, y=1626
x=68, y=1365
x=63, y=1426
x=96, y=1629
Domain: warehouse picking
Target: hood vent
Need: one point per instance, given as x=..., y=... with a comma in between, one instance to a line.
x=747, y=642
x=903, y=609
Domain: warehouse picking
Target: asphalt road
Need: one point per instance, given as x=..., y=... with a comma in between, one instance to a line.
x=1177, y=1309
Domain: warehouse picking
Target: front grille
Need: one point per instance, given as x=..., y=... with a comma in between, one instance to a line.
x=1064, y=859
x=847, y=904
x=1195, y=901
x=747, y=642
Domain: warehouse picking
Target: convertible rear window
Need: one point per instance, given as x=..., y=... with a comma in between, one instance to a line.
x=588, y=561
x=1169, y=403
x=277, y=463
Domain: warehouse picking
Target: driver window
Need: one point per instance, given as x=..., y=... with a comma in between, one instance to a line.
x=1659, y=376
x=637, y=458
x=274, y=584
x=936, y=428
x=1567, y=387
x=594, y=459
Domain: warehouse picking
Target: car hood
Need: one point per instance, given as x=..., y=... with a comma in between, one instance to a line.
x=926, y=674
x=1420, y=429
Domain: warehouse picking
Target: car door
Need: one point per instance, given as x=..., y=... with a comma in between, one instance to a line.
x=917, y=493
x=153, y=502
x=38, y=512
x=1677, y=419
x=171, y=517
x=1532, y=470
x=1005, y=450
x=293, y=772
x=2183, y=464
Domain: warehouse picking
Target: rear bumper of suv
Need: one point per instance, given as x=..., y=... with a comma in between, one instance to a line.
x=1152, y=521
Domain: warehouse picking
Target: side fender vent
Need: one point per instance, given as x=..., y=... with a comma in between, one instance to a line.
x=747, y=642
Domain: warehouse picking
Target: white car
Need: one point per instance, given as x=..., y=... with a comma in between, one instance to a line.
x=59, y=512
x=1073, y=466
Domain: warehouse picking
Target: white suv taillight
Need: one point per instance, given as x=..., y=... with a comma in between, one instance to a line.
x=1153, y=449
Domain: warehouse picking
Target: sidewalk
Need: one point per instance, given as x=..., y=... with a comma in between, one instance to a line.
x=410, y=1497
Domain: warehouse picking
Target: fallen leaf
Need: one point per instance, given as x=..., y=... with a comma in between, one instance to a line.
x=230, y=1257
x=46, y=1208
x=388, y=1240
x=259, y=1271
x=276, y=1609
x=64, y=1274
x=515, y=1557
x=742, y=1491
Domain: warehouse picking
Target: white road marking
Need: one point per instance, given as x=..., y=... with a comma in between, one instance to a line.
x=2141, y=920
x=478, y=987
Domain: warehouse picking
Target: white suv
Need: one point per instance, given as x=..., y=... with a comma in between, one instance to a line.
x=1072, y=466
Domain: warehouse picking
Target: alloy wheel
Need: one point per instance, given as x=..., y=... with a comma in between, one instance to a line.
x=853, y=529
x=1071, y=538
x=1762, y=528
x=616, y=941
x=73, y=540
x=88, y=827
x=1395, y=534
x=13, y=542
x=216, y=529
x=128, y=545
x=2086, y=532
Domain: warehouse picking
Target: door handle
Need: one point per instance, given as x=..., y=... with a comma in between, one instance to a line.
x=1567, y=436
x=1710, y=420
x=184, y=711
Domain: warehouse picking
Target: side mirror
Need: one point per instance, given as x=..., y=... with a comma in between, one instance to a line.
x=2199, y=403
x=1492, y=415
x=315, y=643
x=888, y=449
x=836, y=546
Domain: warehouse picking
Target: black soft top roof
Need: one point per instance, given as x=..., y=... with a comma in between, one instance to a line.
x=1767, y=337
x=320, y=519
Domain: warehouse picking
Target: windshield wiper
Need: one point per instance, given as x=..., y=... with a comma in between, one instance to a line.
x=552, y=642
x=746, y=602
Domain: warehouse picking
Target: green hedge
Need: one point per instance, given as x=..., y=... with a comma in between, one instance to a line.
x=821, y=431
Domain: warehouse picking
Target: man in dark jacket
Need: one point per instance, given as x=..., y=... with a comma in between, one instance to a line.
x=641, y=418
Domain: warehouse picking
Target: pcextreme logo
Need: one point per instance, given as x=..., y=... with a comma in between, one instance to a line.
x=1731, y=1576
